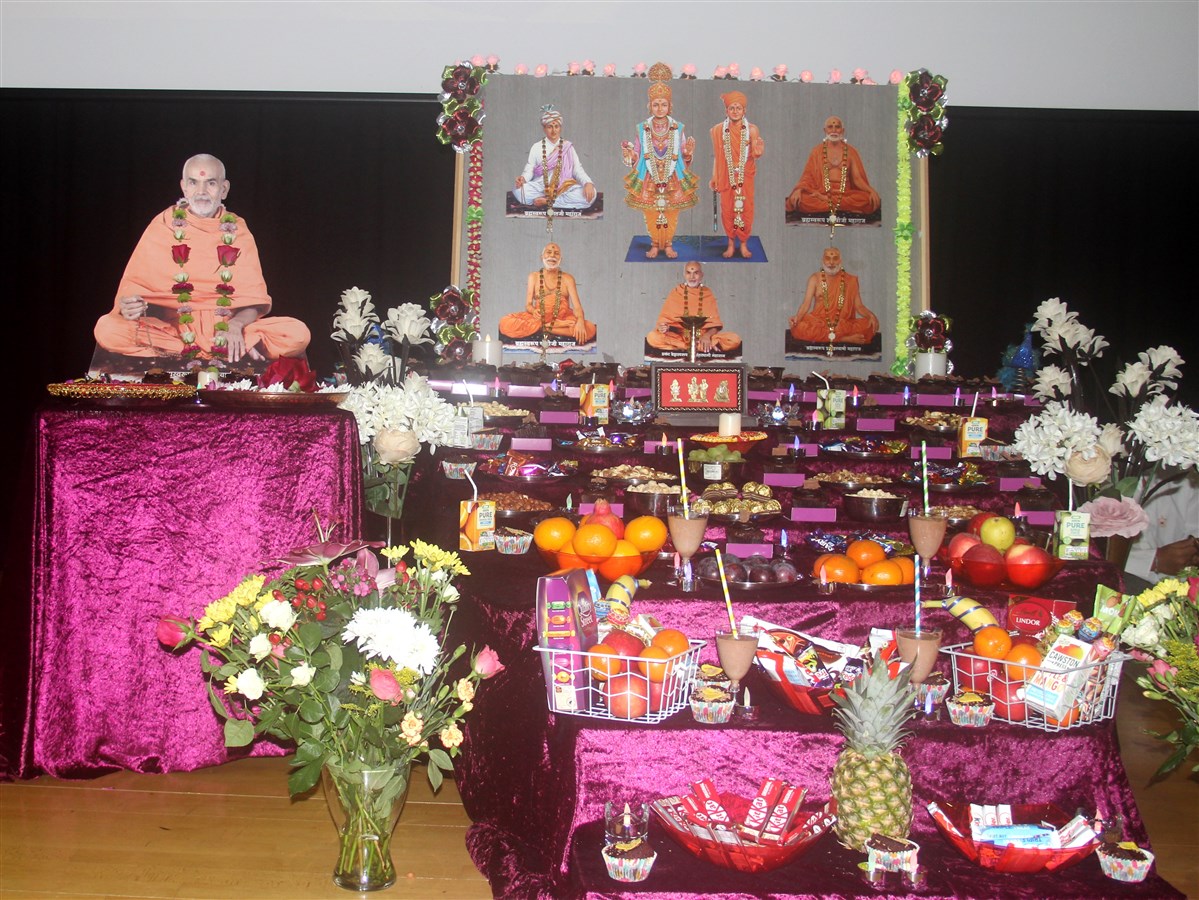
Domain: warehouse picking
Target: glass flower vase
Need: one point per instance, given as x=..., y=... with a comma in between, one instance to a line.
x=365, y=805
x=385, y=486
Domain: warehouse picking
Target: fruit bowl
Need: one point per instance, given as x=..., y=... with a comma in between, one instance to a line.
x=1009, y=574
x=1011, y=859
x=561, y=560
x=742, y=442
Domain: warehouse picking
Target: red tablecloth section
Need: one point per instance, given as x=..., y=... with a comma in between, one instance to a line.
x=535, y=783
x=137, y=513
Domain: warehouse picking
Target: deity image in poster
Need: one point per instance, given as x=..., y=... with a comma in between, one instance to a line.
x=832, y=321
x=834, y=188
x=691, y=303
x=553, y=182
x=660, y=184
x=553, y=319
x=737, y=145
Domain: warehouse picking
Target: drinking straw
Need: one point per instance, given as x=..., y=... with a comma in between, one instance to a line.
x=728, y=603
x=474, y=487
x=683, y=479
x=974, y=405
x=825, y=380
x=918, y=567
x=924, y=472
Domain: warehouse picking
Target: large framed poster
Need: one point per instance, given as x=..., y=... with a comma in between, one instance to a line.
x=789, y=216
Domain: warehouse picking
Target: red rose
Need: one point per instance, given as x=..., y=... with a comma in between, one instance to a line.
x=180, y=253
x=227, y=255
x=926, y=132
x=926, y=92
x=173, y=632
x=289, y=372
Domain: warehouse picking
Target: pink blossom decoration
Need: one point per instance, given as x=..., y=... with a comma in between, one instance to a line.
x=588, y=67
x=896, y=76
x=834, y=77
x=487, y=663
x=1193, y=593
x=521, y=69
x=477, y=60
x=573, y=68
x=805, y=76
x=639, y=70
x=541, y=71
x=735, y=70
x=755, y=74
x=689, y=70
x=868, y=80
x=781, y=70
x=720, y=72
x=859, y=75
x=1110, y=516
x=493, y=61
x=385, y=686
x=610, y=70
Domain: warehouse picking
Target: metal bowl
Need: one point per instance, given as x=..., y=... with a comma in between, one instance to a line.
x=643, y=503
x=875, y=509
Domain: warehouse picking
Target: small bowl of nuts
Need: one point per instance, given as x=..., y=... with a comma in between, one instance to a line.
x=873, y=505
x=652, y=498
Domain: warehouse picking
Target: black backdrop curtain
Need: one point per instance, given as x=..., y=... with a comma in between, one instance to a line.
x=344, y=190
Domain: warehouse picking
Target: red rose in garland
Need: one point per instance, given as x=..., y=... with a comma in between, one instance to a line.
x=290, y=372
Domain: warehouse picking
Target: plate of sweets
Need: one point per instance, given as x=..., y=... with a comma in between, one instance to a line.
x=863, y=447
x=631, y=474
x=935, y=421
x=847, y=480
x=951, y=478
x=105, y=392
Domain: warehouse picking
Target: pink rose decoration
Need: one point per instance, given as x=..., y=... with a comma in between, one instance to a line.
x=487, y=663
x=385, y=686
x=610, y=70
x=477, y=60
x=720, y=72
x=173, y=632
x=805, y=76
x=735, y=70
x=1110, y=516
x=1193, y=594
x=541, y=71
x=896, y=76
x=859, y=74
x=521, y=69
x=755, y=74
x=573, y=68
x=834, y=77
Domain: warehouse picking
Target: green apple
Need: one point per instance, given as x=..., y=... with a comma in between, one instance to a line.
x=999, y=532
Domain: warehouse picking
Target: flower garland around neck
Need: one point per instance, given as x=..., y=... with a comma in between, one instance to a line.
x=699, y=311
x=546, y=324
x=834, y=203
x=227, y=256
x=551, y=183
x=737, y=172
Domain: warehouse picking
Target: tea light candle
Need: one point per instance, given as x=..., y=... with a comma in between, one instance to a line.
x=730, y=424
x=486, y=351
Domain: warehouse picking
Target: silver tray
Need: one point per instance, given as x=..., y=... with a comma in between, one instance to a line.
x=532, y=479
x=864, y=454
x=749, y=585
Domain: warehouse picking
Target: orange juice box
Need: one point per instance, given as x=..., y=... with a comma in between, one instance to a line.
x=1054, y=688
x=566, y=621
x=476, y=525
x=971, y=434
x=594, y=402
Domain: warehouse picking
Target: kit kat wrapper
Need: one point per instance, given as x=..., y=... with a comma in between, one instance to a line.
x=706, y=792
x=760, y=807
x=782, y=813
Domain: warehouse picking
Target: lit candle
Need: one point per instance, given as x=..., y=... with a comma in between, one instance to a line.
x=791, y=393
x=949, y=581
x=907, y=395
x=497, y=385
x=730, y=424
x=993, y=395
x=855, y=395
x=1017, y=509
x=795, y=446
x=957, y=396
x=815, y=420
x=783, y=539
x=823, y=577
x=928, y=703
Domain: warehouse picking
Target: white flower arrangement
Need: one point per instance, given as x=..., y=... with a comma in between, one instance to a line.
x=413, y=406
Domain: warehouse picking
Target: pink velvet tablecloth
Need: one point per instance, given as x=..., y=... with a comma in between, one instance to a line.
x=535, y=783
x=140, y=512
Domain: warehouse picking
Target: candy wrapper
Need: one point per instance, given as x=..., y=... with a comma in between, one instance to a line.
x=827, y=542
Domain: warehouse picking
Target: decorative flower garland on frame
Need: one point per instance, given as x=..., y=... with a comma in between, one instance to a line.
x=227, y=256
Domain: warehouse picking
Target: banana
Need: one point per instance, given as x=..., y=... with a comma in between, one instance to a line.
x=624, y=588
x=969, y=612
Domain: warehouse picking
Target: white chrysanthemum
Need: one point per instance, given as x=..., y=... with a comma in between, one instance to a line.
x=1131, y=380
x=1170, y=434
x=394, y=635
x=1165, y=364
x=1051, y=312
x=372, y=360
x=408, y=321
x=356, y=316
x=1053, y=383
x=1048, y=439
x=414, y=407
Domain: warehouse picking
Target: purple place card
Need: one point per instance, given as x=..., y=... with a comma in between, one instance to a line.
x=933, y=452
x=769, y=396
x=888, y=399
x=1014, y=484
x=1039, y=516
x=440, y=384
x=783, y=479
x=876, y=424
x=525, y=390
x=940, y=400
x=559, y=417
x=810, y=449
x=588, y=508
x=744, y=550
x=813, y=514
x=636, y=393
x=539, y=445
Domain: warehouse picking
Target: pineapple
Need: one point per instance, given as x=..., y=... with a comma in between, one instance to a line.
x=871, y=783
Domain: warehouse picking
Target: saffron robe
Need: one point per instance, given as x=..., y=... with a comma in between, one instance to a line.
x=725, y=189
x=678, y=337
x=150, y=274
x=527, y=324
x=858, y=197
x=847, y=327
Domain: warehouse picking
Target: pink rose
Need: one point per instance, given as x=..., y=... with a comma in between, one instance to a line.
x=394, y=446
x=805, y=76
x=385, y=686
x=541, y=71
x=896, y=76
x=834, y=77
x=487, y=663
x=1193, y=593
x=720, y=72
x=174, y=632
x=610, y=70
x=1110, y=516
x=521, y=69
x=1084, y=470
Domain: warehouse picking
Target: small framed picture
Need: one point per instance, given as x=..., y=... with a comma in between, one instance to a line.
x=698, y=387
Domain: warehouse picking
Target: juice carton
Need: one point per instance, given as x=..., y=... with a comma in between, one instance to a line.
x=566, y=621
x=594, y=403
x=1071, y=534
x=476, y=525
x=830, y=409
x=1054, y=688
x=971, y=434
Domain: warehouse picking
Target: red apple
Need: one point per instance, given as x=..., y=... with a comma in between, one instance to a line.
x=983, y=565
x=624, y=643
x=960, y=543
x=976, y=523
x=1029, y=566
x=628, y=696
x=656, y=696
x=973, y=673
x=1009, y=699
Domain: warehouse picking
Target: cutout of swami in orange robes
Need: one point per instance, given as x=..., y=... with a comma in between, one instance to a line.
x=736, y=146
x=834, y=178
x=552, y=305
x=832, y=310
x=691, y=298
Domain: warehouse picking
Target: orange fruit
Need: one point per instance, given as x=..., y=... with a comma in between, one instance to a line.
x=553, y=533
x=865, y=553
x=839, y=568
x=625, y=560
x=672, y=641
x=907, y=566
x=568, y=559
x=646, y=533
x=1022, y=653
x=654, y=671
x=1065, y=721
x=603, y=664
x=820, y=561
x=594, y=543
x=882, y=572
x=992, y=642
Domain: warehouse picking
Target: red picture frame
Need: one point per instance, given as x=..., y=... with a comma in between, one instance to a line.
x=699, y=387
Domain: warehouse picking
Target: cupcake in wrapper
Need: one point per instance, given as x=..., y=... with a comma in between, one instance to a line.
x=709, y=675
x=1124, y=861
x=935, y=684
x=711, y=705
x=486, y=440
x=457, y=470
x=629, y=860
x=512, y=542
x=887, y=854
x=970, y=709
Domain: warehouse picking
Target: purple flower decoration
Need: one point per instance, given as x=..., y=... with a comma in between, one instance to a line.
x=455, y=350
x=460, y=128
x=459, y=82
x=926, y=92
x=926, y=132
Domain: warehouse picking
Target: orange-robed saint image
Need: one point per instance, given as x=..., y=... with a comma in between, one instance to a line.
x=193, y=288
x=552, y=305
x=690, y=298
x=736, y=147
x=832, y=311
x=834, y=182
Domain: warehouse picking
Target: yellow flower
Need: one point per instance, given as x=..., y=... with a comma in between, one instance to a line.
x=249, y=591
x=466, y=691
x=411, y=727
x=231, y=685
x=394, y=553
x=219, y=635
x=436, y=558
x=221, y=610
x=451, y=736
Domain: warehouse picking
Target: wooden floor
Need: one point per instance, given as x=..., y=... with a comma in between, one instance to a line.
x=232, y=831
